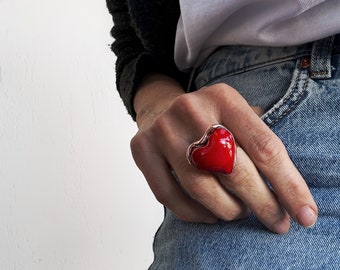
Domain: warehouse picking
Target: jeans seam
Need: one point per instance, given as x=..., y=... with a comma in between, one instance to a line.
x=298, y=98
x=257, y=65
x=287, y=98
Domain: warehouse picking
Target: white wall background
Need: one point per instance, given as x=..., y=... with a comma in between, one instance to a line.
x=70, y=194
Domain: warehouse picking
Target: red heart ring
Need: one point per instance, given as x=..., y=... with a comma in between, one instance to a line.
x=215, y=152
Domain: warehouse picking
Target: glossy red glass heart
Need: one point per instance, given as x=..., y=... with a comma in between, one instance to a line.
x=214, y=152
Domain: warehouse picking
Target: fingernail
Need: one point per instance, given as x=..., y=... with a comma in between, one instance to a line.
x=307, y=217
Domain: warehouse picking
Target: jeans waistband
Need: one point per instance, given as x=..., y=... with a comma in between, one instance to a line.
x=235, y=59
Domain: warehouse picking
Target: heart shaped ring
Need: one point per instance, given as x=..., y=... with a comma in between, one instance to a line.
x=215, y=152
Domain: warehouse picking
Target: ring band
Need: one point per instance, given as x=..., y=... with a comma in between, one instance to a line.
x=215, y=152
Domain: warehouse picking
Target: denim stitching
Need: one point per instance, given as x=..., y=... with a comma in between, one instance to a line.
x=287, y=98
x=323, y=59
x=314, y=58
x=298, y=98
x=257, y=65
x=275, y=110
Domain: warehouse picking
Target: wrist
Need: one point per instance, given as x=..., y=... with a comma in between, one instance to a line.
x=154, y=94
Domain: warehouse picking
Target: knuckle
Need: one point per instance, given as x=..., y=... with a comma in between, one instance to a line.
x=266, y=209
x=267, y=149
x=293, y=189
x=242, y=176
x=160, y=128
x=150, y=139
x=185, y=105
x=166, y=139
x=137, y=144
x=219, y=89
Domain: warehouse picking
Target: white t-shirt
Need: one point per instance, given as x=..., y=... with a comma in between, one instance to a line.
x=206, y=24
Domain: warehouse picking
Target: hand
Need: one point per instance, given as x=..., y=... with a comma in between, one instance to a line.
x=169, y=120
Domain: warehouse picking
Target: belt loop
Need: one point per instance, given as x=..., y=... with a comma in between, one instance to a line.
x=321, y=58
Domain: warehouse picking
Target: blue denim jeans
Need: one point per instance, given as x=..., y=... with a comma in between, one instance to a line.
x=299, y=88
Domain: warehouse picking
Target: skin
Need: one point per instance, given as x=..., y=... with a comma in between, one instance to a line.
x=170, y=119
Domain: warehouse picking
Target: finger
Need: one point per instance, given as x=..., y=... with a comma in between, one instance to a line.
x=206, y=189
x=270, y=156
x=164, y=186
x=290, y=187
x=247, y=184
x=200, y=186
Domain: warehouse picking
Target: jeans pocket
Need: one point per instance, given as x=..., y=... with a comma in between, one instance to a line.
x=306, y=118
x=296, y=92
x=262, y=86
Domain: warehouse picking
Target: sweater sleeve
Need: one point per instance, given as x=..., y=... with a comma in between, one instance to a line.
x=144, y=35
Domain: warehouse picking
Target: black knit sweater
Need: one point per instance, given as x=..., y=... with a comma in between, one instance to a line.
x=144, y=34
